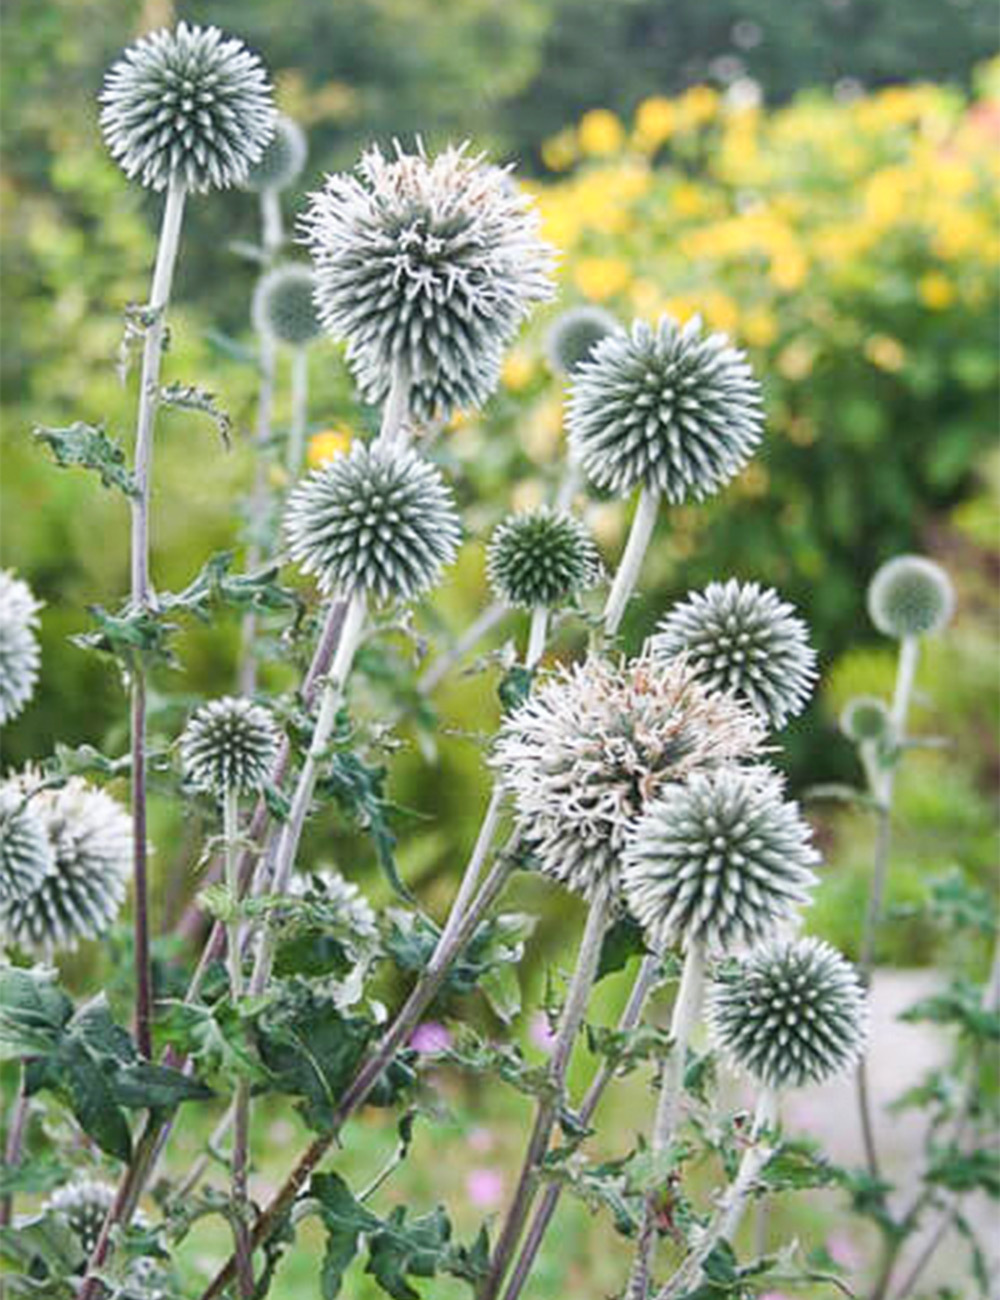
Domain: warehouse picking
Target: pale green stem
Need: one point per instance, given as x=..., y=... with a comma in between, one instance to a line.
x=241, y=1128
x=643, y=523
x=536, y=635
x=267, y=360
x=300, y=398
x=272, y=232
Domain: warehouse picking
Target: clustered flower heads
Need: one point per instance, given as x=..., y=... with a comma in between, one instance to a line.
x=910, y=596
x=744, y=638
x=26, y=855
x=187, y=104
x=722, y=859
x=91, y=837
x=19, y=653
x=428, y=265
x=666, y=408
x=541, y=557
x=283, y=306
x=792, y=1013
x=574, y=334
x=229, y=745
x=865, y=719
x=377, y=520
x=595, y=743
x=284, y=156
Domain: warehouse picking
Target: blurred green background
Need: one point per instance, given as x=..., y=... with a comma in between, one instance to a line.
x=817, y=179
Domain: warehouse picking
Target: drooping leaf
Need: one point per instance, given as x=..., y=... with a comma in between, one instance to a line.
x=190, y=397
x=87, y=446
x=359, y=790
x=622, y=941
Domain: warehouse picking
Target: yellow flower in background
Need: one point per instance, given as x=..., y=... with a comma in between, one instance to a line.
x=518, y=369
x=885, y=352
x=886, y=196
x=541, y=432
x=559, y=151
x=936, y=291
x=759, y=327
x=600, y=132
x=528, y=494
x=647, y=299
x=322, y=447
x=682, y=306
x=754, y=481
x=697, y=106
x=601, y=278
x=720, y=312
x=655, y=121
x=688, y=200
x=796, y=360
x=789, y=268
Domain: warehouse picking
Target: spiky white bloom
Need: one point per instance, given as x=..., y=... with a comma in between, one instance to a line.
x=574, y=334
x=91, y=834
x=354, y=909
x=19, y=653
x=187, y=103
x=83, y=1205
x=865, y=718
x=284, y=156
x=283, y=305
x=229, y=744
x=667, y=408
x=541, y=557
x=791, y=1013
x=910, y=596
x=721, y=858
x=429, y=265
x=595, y=742
x=376, y=520
x=26, y=855
x=743, y=638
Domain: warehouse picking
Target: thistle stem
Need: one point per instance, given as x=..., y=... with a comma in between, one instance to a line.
x=14, y=1143
x=537, y=635
x=152, y=354
x=272, y=231
x=267, y=369
x=300, y=399
x=687, y=1008
x=548, y=1105
x=643, y=523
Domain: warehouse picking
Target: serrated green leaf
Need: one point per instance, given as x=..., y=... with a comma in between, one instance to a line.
x=87, y=446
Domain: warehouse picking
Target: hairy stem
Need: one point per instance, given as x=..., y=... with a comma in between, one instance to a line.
x=643, y=523
x=548, y=1105
x=272, y=231
x=536, y=635
x=13, y=1145
x=267, y=369
x=300, y=406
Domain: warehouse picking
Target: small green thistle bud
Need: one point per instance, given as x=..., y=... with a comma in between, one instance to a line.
x=910, y=596
x=541, y=557
x=574, y=334
x=229, y=745
x=283, y=306
x=865, y=719
x=26, y=855
x=283, y=159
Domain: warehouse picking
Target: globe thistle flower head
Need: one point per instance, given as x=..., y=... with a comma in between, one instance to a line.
x=357, y=913
x=187, y=104
x=26, y=855
x=283, y=306
x=83, y=1206
x=229, y=744
x=792, y=1013
x=20, y=656
x=666, y=408
x=375, y=520
x=91, y=837
x=429, y=265
x=743, y=638
x=722, y=859
x=910, y=596
x=595, y=743
x=541, y=557
x=574, y=334
x=284, y=156
x=865, y=719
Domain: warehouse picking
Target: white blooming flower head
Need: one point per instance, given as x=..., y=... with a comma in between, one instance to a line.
x=283, y=306
x=743, y=638
x=187, y=104
x=574, y=334
x=19, y=653
x=83, y=1206
x=91, y=835
x=26, y=855
x=284, y=156
x=229, y=744
x=865, y=719
x=541, y=557
x=790, y=1014
x=595, y=743
x=357, y=913
x=910, y=596
x=721, y=858
x=426, y=265
x=377, y=520
x=664, y=407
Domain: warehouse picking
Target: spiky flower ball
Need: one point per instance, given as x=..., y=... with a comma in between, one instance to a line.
x=19, y=653
x=666, y=408
x=91, y=835
x=541, y=557
x=865, y=719
x=595, y=743
x=574, y=334
x=430, y=264
x=229, y=744
x=26, y=856
x=744, y=638
x=283, y=306
x=190, y=104
x=910, y=596
x=376, y=520
x=721, y=858
x=284, y=156
x=790, y=1014
x=83, y=1206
